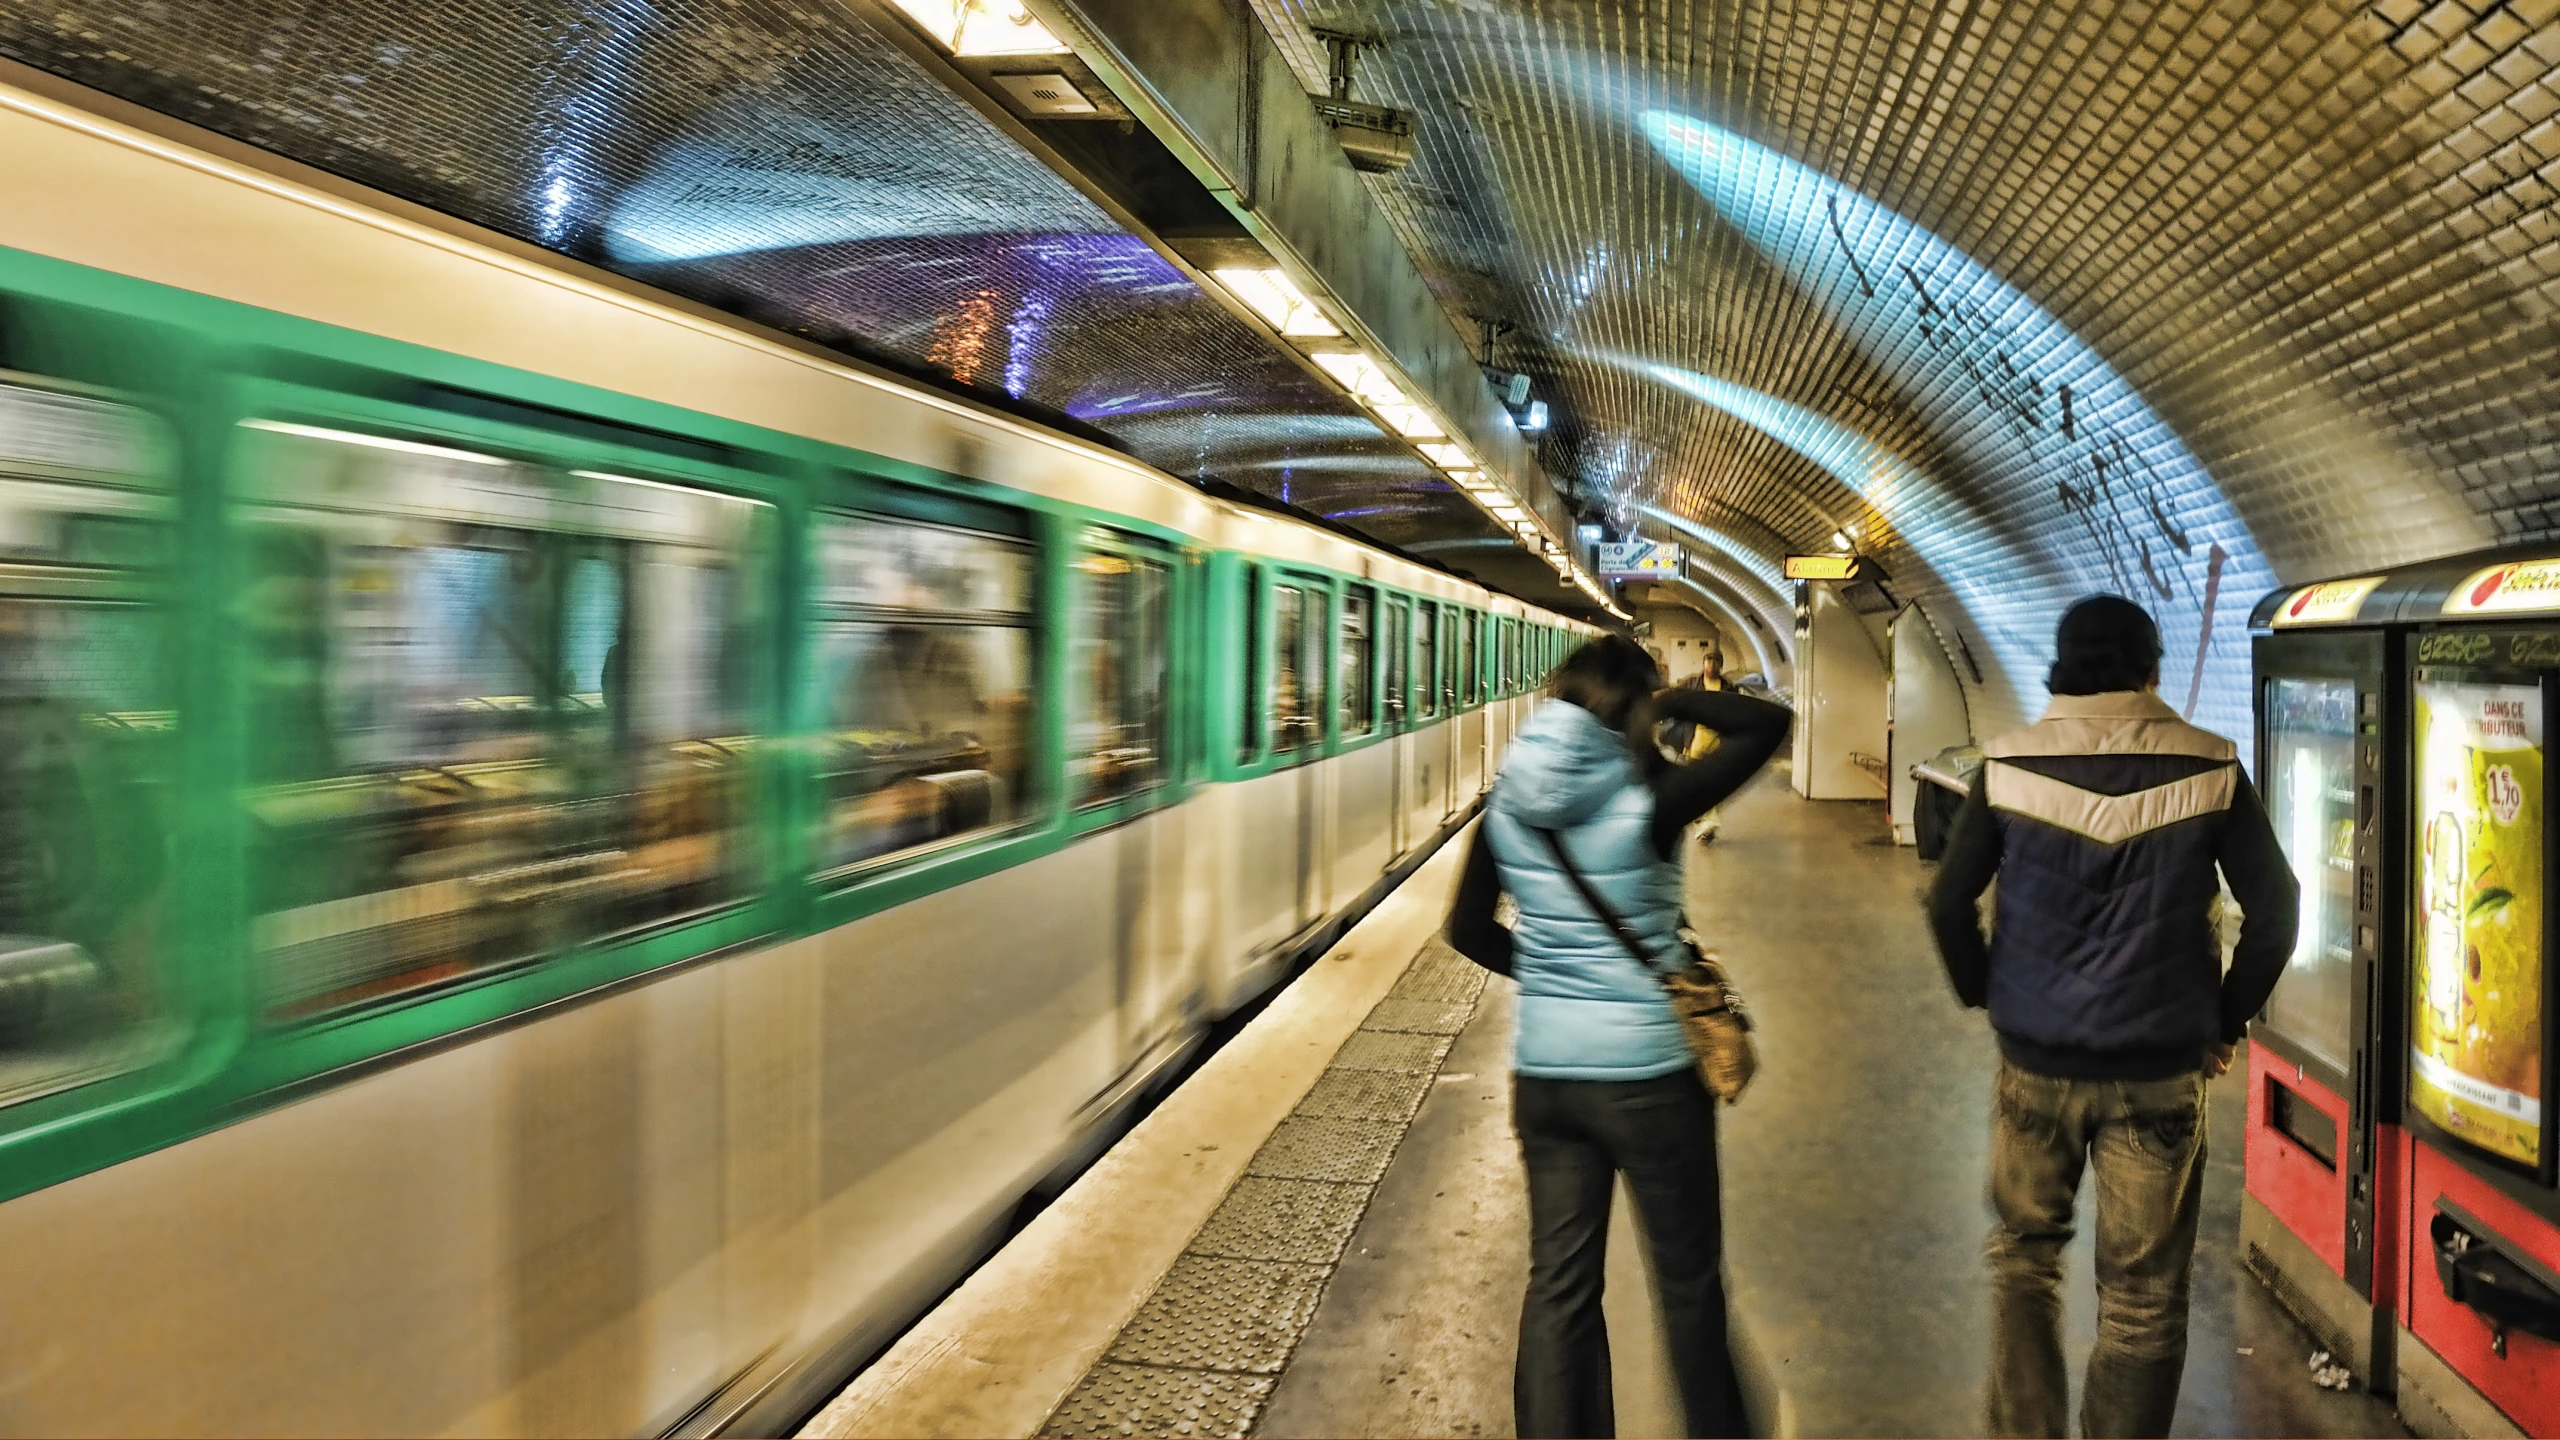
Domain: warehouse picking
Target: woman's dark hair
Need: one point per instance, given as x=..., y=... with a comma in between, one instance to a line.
x=2104, y=643
x=1607, y=677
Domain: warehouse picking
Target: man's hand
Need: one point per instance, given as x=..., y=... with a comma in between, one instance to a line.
x=2217, y=1061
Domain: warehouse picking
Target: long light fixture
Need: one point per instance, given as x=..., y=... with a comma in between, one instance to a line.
x=1271, y=294
x=972, y=28
x=1367, y=381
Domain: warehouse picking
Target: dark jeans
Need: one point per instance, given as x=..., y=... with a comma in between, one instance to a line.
x=1577, y=1136
x=2145, y=1139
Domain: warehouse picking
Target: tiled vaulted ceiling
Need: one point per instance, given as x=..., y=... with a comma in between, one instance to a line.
x=2179, y=299
x=2315, y=243
x=787, y=161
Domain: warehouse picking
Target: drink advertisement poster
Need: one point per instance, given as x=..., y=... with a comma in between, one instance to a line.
x=2475, y=1024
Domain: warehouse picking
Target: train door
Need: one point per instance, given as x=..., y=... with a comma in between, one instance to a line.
x=1302, y=649
x=1122, y=769
x=1431, y=741
x=1395, y=694
x=1361, y=776
x=1470, y=725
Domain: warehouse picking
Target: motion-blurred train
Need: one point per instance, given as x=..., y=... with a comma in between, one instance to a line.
x=564, y=862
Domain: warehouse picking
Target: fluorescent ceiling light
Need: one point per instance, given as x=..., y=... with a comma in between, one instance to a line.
x=1273, y=296
x=1368, y=383
x=982, y=27
x=1360, y=375
x=376, y=442
x=1448, y=457
x=1411, y=421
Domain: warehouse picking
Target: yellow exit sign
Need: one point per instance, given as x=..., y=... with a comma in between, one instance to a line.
x=1822, y=567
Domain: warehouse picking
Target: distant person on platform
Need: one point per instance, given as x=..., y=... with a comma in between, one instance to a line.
x=2105, y=823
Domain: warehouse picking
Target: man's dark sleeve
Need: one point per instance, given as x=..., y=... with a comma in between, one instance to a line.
x=2253, y=865
x=1965, y=870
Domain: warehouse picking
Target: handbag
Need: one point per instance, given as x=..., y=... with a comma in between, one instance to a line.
x=1475, y=927
x=1710, y=1010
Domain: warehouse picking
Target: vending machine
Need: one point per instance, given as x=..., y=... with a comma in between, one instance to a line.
x=2321, y=1121
x=2451, y=1217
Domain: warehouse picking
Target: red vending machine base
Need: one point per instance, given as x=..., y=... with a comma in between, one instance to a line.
x=2452, y=1362
x=2293, y=1214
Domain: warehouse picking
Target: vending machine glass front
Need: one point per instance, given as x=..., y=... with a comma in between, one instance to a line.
x=2476, y=982
x=2311, y=795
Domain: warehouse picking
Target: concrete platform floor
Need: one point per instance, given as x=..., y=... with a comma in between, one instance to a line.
x=1853, y=1190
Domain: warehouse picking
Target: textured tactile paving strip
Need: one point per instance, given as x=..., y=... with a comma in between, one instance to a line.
x=1308, y=1221
x=1212, y=1313
x=1351, y=1151
x=1203, y=1352
x=1442, y=975
x=1158, y=1400
x=1420, y=1017
x=1365, y=1095
x=1393, y=1050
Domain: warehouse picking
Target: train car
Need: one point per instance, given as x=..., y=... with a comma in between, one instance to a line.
x=567, y=861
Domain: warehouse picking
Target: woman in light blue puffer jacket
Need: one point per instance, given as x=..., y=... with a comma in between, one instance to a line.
x=1604, y=1083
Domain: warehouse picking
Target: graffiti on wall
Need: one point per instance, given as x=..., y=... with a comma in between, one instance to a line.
x=2060, y=450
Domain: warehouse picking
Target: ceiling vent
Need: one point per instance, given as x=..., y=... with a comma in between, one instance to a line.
x=1044, y=95
x=1374, y=137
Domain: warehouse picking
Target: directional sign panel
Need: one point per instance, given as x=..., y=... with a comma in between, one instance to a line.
x=1649, y=558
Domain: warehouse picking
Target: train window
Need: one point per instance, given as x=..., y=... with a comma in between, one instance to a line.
x=1298, y=672
x=1355, y=678
x=1248, y=665
x=1470, y=659
x=924, y=667
x=1395, y=636
x=1121, y=651
x=1426, y=659
x=495, y=711
x=88, y=723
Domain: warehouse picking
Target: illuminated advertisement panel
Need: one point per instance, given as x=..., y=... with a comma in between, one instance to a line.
x=2475, y=1016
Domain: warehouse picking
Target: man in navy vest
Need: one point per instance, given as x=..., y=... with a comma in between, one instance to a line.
x=2105, y=824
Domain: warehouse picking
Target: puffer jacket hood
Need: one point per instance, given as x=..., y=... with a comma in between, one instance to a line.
x=1562, y=767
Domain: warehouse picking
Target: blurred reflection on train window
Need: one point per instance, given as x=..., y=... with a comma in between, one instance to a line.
x=1298, y=669
x=1395, y=638
x=1120, y=656
x=1426, y=658
x=1470, y=657
x=1352, y=661
x=1249, y=716
x=88, y=726
x=495, y=711
x=925, y=663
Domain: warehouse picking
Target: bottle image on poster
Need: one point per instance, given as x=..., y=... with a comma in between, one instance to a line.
x=2475, y=1027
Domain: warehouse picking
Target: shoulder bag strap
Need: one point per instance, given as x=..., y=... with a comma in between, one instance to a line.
x=1591, y=897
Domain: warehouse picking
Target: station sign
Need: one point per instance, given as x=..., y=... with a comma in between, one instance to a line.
x=2331, y=602
x=1822, y=567
x=2506, y=589
x=1643, y=559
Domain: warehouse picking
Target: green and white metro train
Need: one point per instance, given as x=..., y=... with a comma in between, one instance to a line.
x=565, y=862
